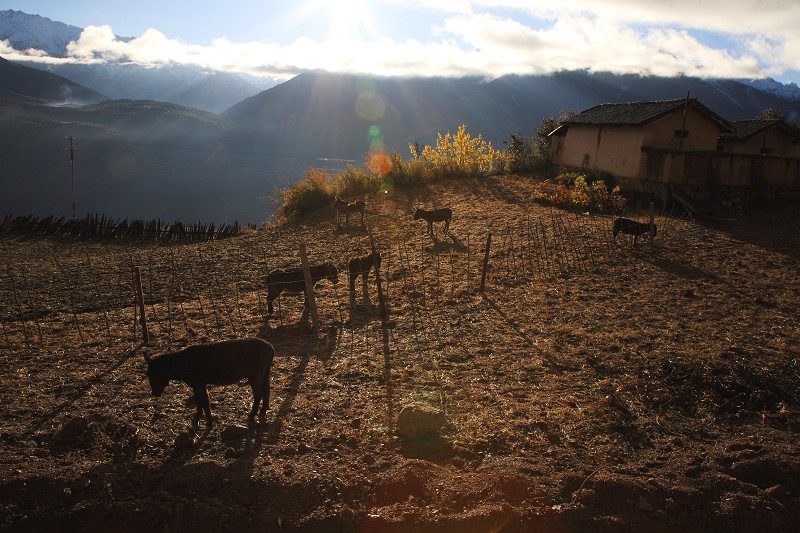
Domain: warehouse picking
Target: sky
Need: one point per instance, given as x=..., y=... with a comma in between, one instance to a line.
x=491, y=38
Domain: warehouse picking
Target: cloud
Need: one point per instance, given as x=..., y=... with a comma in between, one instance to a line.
x=496, y=37
x=10, y=53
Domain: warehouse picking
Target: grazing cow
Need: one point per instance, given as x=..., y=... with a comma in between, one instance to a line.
x=360, y=266
x=343, y=208
x=437, y=215
x=631, y=227
x=218, y=363
x=291, y=281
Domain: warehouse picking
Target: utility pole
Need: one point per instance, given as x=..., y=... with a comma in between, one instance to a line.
x=683, y=125
x=71, y=151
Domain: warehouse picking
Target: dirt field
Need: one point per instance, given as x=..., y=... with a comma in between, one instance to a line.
x=592, y=387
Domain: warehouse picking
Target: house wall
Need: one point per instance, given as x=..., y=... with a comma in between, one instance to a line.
x=705, y=174
x=612, y=149
x=703, y=132
x=774, y=139
x=617, y=149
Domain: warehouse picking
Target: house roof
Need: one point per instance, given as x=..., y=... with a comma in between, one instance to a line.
x=638, y=114
x=745, y=129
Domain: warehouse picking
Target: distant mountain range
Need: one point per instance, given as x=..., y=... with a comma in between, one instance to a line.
x=185, y=85
x=17, y=81
x=144, y=157
x=24, y=31
x=338, y=112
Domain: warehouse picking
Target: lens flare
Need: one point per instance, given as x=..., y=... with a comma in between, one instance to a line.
x=370, y=106
x=376, y=143
x=379, y=164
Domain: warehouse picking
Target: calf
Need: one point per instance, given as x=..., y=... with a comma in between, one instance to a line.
x=631, y=227
x=291, y=281
x=344, y=208
x=218, y=363
x=360, y=266
x=437, y=215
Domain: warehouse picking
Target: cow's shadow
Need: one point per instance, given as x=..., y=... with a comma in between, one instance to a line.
x=442, y=246
x=302, y=340
x=351, y=230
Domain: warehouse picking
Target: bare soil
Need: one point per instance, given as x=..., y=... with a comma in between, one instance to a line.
x=611, y=388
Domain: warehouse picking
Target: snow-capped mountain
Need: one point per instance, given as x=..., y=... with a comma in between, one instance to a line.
x=24, y=31
x=790, y=91
x=185, y=85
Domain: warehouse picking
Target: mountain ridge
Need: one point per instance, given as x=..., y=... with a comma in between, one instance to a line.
x=150, y=159
x=186, y=85
x=25, y=31
x=17, y=81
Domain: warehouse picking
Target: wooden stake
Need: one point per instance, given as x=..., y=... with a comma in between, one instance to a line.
x=652, y=221
x=19, y=307
x=312, y=302
x=381, y=301
x=99, y=297
x=486, y=260
x=137, y=283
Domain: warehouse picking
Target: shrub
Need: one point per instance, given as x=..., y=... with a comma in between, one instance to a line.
x=579, y=196
x=462, y=155
x=355, y=182
x=527, y=154
x=577, y=190
x=310, y=194
x=415, y=171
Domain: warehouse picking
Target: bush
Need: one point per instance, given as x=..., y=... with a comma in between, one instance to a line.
x=310, y=194
x=519, y=156
x=462, y=155
x=355, y=182
x=415, y=171
x=579, y=191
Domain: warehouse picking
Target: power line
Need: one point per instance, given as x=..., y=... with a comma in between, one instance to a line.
x=222, y=151
x=71, y=150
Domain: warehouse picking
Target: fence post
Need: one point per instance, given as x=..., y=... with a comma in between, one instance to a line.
x=486, y=260
x=381, y=300
x=652, y=227
x=137, y=283
x=312, y=302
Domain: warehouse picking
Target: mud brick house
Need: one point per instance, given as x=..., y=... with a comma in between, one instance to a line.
x=680, y=147
x=759, y=136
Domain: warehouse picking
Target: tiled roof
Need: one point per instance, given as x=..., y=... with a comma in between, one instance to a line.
x=744, y=129
x=637, y=114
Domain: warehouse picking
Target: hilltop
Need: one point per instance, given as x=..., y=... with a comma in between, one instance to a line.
x=144, y=159
x=593, y=386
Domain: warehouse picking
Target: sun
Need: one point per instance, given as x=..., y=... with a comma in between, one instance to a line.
x=347, y=20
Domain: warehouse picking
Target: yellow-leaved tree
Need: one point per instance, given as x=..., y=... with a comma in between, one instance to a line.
x=462, y=154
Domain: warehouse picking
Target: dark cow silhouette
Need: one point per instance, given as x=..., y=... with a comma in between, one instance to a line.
x=344, y=208
x=360, y=266
x=291, y=281
x=218, y=363
x=631, y=227
x=444, y=214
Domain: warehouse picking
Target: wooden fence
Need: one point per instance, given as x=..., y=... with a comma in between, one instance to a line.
x=216, y=290
x=102, y=227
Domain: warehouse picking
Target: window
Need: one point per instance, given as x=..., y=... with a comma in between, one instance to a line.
x=766, y=151
x=682, y=133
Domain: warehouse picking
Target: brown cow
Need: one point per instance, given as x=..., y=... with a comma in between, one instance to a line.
x=218, y=363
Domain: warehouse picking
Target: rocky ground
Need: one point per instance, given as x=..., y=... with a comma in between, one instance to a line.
x=610, y=388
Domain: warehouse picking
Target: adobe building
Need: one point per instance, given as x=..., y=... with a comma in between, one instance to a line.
x=680, y=148
x=761, y=136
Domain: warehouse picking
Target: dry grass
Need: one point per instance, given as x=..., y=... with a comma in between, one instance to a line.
x=600, y=387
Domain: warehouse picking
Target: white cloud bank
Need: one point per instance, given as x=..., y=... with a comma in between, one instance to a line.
x=711, y=38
